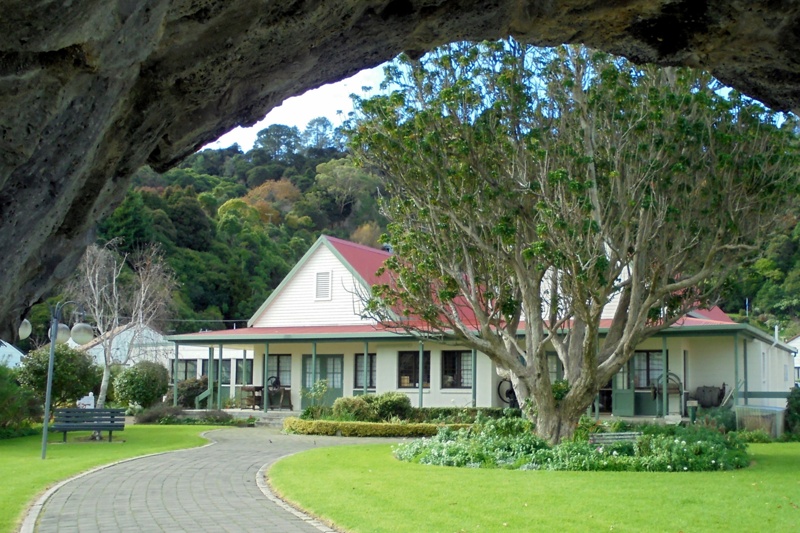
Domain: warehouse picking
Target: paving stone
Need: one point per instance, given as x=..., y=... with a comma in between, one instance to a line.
x=213, y=488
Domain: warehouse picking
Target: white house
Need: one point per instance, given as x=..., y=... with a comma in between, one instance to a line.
x=130, y=344
x=794, y=342
x=9, y=355
x=311, y=328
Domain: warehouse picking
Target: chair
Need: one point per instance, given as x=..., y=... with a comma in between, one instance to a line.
x=278, y=395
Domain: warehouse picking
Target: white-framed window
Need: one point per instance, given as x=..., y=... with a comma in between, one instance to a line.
x=323, y=286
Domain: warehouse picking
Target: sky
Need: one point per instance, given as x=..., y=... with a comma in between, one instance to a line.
x=324, y=101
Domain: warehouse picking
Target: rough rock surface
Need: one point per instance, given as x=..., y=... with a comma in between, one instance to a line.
x=92, y=89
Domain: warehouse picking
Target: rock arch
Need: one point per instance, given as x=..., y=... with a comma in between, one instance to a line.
x=92, y=89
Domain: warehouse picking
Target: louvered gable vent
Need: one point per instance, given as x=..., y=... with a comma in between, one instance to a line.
x=323, y=286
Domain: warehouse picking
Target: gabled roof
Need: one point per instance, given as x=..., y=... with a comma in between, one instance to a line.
x=361, y=261
x=714, y=314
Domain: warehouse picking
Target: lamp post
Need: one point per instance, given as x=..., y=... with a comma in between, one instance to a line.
x=59, y=333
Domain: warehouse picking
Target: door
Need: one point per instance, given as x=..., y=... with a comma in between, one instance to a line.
x=622, y=394
x=329, y=367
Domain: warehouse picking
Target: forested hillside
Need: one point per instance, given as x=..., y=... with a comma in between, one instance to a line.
x=232, y=223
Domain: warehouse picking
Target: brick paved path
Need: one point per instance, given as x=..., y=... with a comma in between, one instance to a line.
x=214, y=488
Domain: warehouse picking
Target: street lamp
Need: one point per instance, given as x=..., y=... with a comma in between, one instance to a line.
x=59, y=333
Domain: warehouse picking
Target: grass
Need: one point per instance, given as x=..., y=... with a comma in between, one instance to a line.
x=24, y=475
x=363, y=488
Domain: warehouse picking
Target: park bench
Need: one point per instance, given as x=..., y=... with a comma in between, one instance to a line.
x=610, y=438
x=73, y=419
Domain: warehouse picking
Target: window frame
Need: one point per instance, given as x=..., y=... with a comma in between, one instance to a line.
x=459, y=375
x=182, y=369
x=651, y=370
x=288, y=370
x=359, y=373
x=240, y=364
x=413, y=357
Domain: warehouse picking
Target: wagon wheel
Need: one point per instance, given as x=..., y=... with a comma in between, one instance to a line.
x=273, y=383
x=505, y=391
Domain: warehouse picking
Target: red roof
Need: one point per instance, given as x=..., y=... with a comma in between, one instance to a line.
x=714, y=314
x=364, y=259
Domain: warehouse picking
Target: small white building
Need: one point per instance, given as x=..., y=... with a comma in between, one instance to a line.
x=794, y=342
x=130, y=344
x=312, y=327
x=9, y=355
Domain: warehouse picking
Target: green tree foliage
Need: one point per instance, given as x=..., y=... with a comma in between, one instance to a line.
x=145, y=383
x=75, y=374
x=530, y=187
x=232, y=224
x=18, y=406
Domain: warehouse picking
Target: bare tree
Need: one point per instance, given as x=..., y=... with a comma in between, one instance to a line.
x=121, y=293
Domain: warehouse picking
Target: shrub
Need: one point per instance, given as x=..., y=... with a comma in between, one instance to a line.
x=144, y=383
x=188, y=391
x=170, y=415
x=509, y=443
x=722, y=418
x=74, y=374
x=216, y=417
x=354, y=408
x=18, y=407
x=754, y=436
x=458, y=415
x=316, y=394
x=792, y=420
x=390, y=405
x=357, y=429
x=160, y=414
x=490, y=443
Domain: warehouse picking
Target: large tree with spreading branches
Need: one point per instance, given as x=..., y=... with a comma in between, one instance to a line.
x=533, y=190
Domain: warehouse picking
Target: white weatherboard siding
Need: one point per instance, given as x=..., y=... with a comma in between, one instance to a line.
x=387, y=371
x=297, y=305
x=711, y=362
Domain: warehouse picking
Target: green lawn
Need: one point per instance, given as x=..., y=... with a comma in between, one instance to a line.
x=363, y=488
x=24, y=475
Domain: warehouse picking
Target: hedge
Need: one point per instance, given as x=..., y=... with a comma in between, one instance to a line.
x=362, y=429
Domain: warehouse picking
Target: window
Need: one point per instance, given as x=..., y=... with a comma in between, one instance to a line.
x=408, y=369
x=456, y=369
x=280, y=366
x=359, y=381
x=186, y=369
x=647, y=366
x=323, y=290
x=244, y=366
x=225, y=372
x=554, y=367
x=222, y=371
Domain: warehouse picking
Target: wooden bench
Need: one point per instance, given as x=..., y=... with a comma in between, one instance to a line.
x=610, y=438
x=74, y=419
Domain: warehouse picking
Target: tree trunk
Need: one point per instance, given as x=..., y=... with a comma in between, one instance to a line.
x=557, y=424
x=101, y=398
